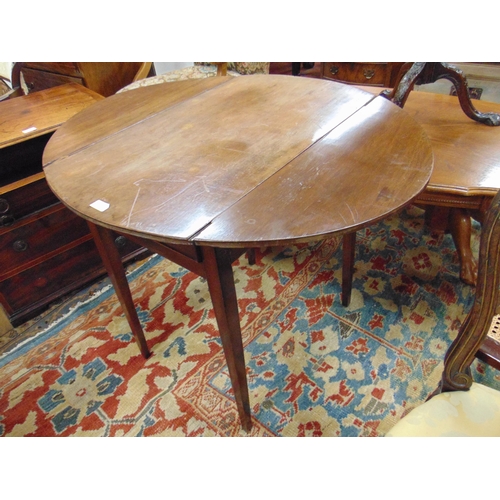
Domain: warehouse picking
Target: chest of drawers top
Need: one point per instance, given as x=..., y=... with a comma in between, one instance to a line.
x=42, y=112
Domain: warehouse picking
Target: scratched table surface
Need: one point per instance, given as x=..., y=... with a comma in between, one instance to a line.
x=200, y=170
x=239, y=162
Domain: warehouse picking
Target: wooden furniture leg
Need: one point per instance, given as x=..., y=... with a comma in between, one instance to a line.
x=458, y=222
x=251, y=256
x=461, y=230
x=111, y=258
x=220, y=280
x=215, y=265
x=295, y=68
x=348, y=255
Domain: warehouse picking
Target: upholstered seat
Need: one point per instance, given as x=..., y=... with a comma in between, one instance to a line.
x=202, y=70
x=475, y=412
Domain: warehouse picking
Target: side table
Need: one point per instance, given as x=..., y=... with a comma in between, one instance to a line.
x=201, y=170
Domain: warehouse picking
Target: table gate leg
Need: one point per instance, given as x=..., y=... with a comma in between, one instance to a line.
x=220, y=279
x=105, y=243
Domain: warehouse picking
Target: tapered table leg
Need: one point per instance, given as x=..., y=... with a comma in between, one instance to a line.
x=220, y=279
x=105, y=243
x=348, y=255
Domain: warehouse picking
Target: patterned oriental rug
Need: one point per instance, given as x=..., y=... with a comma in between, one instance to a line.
x=314, y=367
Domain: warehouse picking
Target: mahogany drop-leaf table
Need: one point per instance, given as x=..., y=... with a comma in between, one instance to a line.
x=199, y=171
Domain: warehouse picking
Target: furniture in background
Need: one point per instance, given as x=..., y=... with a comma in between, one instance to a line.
x=200, y=170
x=46, y=251
x=297, y=66
x=5, y=89
x=203, y=70
x=465, y=177
x=378, y=74
x=460, y=406
x=289, y=68
x=466, y=173
x=105, y=78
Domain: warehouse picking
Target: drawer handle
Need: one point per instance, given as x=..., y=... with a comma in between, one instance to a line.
x=369, y=73
x=6, y=220
x=20, y=246
x=4, y=206
x=334, y=69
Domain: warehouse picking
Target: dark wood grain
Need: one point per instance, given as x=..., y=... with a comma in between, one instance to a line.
x=186, y=172
x=367, y=168
x=230, y=163
x=121, y=111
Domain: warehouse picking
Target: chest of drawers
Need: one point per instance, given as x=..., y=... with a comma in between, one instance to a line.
x=380, y=74
x=46, y=251
x=105, y=78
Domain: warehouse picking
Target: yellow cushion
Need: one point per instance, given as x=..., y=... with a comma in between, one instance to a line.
x=475, y=412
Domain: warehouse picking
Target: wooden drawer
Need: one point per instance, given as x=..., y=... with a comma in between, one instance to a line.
x=40, y=284
x=26, y=293
x=39, y=237
x=378, y=74
x=63, y=68
x=25, y=200
x=36, y=80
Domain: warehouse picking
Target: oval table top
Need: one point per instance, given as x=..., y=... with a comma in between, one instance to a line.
x=246, y=161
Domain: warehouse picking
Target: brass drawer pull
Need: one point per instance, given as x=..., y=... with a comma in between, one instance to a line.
x=369, y=73
x=4, y=206
x=20, y=246
x=334, y=69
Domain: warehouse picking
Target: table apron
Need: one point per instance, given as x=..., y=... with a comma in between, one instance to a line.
x=480, y=203
x=187, y=256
